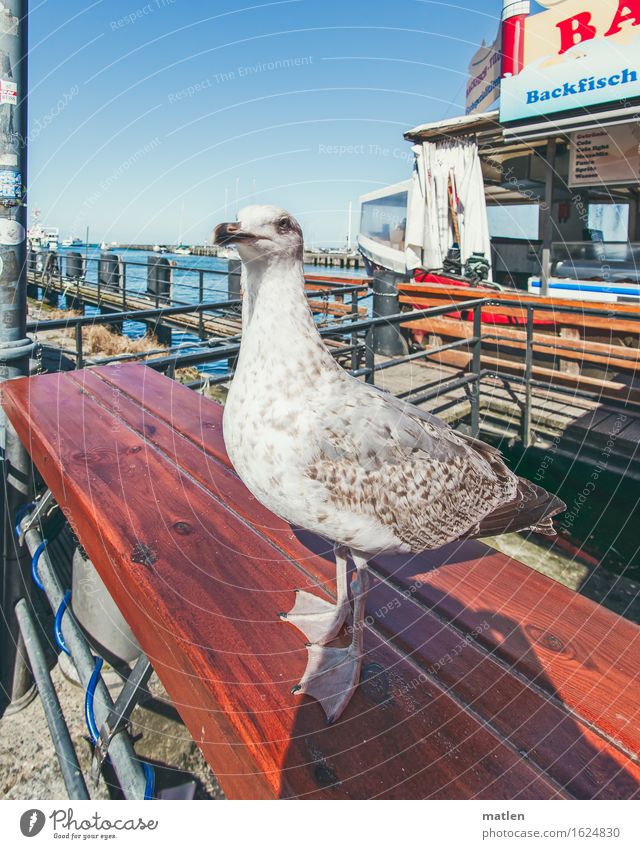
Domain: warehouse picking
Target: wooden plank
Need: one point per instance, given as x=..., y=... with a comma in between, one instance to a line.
x=461, y=293
x=520, y=728
x=609, y=636
x=583, y=321
x=580, y=350
x=199, y=586
x=604, y=389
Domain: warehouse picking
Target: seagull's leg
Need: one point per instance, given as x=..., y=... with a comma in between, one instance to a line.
x=332, y=674
x=319, y=620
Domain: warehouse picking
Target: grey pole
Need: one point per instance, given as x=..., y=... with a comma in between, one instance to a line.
x=15, y=347
x=234, y=288
x=547, y=239
x=386, y=339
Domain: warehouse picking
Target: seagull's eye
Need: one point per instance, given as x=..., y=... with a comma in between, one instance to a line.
x=284, y=224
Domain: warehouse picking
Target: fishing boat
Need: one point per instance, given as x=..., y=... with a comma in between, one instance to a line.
x=183, y=250
x=160, y=249
x=72, y=243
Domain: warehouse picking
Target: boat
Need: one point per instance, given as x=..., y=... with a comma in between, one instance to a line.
x=40, y=237
x=228, y=253
x=160, y=249
x=72, y=243
x=183, y=250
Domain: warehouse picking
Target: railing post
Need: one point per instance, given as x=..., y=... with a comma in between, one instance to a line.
x=387, y=339
x=369, y=359
x=124, y=286
x=476, y=367
x=355, y=353
x=528, y=371
x=234, y=287
x=201, y=301
x=79, y=352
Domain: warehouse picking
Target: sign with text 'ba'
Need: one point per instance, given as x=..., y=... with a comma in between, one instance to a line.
x=578, y=54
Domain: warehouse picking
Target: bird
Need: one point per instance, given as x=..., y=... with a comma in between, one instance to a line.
x=328, y=453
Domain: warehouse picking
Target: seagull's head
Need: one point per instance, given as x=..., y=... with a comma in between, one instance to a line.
x=262, y=233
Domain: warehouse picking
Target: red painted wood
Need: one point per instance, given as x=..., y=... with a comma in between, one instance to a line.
x=576, y=650
x=204, y=611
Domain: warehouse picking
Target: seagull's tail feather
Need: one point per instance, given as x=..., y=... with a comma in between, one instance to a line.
x=532, y=509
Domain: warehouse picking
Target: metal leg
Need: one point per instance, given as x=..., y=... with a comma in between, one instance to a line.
x=69, y=766
x=120, y=715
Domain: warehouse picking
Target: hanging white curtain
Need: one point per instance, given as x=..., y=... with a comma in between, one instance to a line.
x=430, y=231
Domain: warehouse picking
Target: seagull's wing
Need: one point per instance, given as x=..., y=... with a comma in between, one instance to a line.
x=381, y=457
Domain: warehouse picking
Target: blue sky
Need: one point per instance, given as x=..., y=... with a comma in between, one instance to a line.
x=142, y=114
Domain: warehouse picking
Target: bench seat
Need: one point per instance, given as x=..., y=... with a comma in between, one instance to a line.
x=482, y=678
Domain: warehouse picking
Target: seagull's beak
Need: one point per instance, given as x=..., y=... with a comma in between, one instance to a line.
x=225, y=234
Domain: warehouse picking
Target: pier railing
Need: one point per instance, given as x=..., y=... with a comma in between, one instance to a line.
x=124, y=282
x=352, y=340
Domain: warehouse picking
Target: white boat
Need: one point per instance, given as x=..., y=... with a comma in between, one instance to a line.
x=160, y=249
x=72, y=243
x=183, y=250
x=228, y=253
x=41, y=237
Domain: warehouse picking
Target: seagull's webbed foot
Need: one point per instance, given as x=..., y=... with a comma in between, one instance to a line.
x=332, y=674
x=319, y=620
x=331, y=677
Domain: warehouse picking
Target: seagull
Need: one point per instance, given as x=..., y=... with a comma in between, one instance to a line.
x=342, y=459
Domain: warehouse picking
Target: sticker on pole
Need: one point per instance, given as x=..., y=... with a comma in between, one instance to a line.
x=11, y=232
x=8, y=92
x=10, y=185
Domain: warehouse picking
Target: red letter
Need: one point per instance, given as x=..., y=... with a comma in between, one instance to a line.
x=622, y=15
x=575, y=30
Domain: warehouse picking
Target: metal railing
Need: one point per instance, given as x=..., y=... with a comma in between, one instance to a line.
x=355, y=347
x=157, y=315
x=71, y=287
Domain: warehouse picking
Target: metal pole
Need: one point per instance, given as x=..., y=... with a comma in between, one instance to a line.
x=476, y=369
x=528, y=372
x=15, y=347
x=126, y=764
x=62, y=743
x=200, y=302
x=387, y=339
x=355, y=353
x=547, y=237
x=234, y=287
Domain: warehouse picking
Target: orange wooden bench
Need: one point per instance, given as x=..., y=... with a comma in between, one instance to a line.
x=483, y=679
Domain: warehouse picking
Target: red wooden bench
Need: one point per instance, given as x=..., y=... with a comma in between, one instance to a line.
x=483, y=679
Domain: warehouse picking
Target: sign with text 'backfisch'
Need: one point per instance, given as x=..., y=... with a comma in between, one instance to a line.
x=578, y=54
